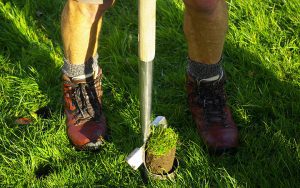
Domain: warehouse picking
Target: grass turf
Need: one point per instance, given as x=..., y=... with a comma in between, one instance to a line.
x=262, y=64
x=161, y=140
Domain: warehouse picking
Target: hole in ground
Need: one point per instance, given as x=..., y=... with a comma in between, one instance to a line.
x=43, y=171
x=44, y=112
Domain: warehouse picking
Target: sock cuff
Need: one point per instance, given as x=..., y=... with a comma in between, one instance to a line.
x=72, y=70
x=199, y=71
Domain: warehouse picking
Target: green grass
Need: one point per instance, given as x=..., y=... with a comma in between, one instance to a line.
x=262, y=63
x=161, y=140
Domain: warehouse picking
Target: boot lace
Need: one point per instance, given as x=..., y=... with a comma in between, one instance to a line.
x=86, y=101
x=212, y=99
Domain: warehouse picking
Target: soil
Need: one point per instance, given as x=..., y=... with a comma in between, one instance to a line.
x=160, y=164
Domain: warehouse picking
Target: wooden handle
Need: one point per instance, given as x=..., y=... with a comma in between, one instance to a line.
x=147, y=19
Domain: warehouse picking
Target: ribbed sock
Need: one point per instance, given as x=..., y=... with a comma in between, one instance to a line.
x=200, y=71
x=89, y=68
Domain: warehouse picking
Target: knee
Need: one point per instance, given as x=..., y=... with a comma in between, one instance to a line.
x=89, y=12
x=204, y=6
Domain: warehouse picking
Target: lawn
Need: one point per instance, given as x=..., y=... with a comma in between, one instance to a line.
x=262, y=62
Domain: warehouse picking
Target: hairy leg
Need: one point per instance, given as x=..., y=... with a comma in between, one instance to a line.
x=205, y=26
x=80, y=27
x=81, y=24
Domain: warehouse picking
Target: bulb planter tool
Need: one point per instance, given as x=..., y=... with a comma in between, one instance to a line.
x=137, y=157
x=147, y=27
x=160, y=121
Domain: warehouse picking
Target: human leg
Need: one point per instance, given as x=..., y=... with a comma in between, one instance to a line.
x=81, y=24
x=205, y=26
x=80, y=28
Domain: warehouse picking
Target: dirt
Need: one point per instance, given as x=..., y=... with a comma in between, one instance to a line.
x=160, y=164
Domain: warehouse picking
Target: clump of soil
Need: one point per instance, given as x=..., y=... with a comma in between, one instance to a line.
x=160, y=164
x=161, y=150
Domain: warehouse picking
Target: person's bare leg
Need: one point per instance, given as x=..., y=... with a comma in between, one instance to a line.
x=81, y=24
x=80, y=27
x=205, y=25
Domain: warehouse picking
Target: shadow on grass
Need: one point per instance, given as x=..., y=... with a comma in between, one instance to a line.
x=34, y=57
x=265, y=108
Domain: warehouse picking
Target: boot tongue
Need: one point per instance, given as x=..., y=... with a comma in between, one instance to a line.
x=85, y=78
x=213, y=78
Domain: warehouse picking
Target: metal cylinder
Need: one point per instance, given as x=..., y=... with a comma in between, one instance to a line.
x=145, y=84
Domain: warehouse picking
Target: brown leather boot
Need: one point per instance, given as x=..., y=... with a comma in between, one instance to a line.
x=86, y=125
x=207, y=102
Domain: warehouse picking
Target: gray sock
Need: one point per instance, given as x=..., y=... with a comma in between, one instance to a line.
x=201, y=71
x=87, y=68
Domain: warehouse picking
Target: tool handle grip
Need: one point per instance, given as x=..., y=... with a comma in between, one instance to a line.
x=147, y=19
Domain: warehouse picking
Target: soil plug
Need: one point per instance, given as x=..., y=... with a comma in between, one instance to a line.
x=160, y=150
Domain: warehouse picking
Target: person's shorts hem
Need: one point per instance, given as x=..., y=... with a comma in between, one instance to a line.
x=91, y=1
